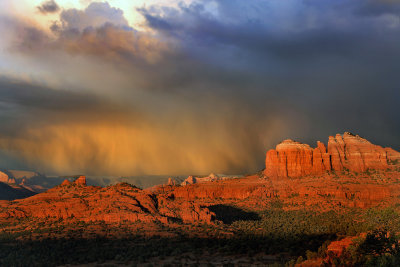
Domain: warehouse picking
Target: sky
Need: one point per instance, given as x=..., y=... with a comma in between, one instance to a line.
x=178, y=87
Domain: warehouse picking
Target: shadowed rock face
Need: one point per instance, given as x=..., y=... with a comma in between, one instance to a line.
x=13, y=191
x=345, y=152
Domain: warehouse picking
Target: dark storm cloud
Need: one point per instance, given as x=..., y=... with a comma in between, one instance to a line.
x=378, y=8
x=41, y=97
x=229, y=78
x=322, y=59
x=48, y=7
x=28, y=104
x=335, y=61
x=315, y=29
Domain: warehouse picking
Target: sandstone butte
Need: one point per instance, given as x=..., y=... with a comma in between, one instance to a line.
x=345, y=152
x=352, y=172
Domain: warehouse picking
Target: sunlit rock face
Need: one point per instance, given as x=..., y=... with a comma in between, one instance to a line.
x=3, y=177
x=113, y=204
x=81, y=180
x=345, y=152
x=6, y=179
x=210, y=178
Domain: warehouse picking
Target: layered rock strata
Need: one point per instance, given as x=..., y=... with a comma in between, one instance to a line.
x=345, y=152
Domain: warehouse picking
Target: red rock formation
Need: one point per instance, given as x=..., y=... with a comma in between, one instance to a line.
x=66, y=182
x=210, y=178
x=290, y=159
x=187, y=211
x=321, y=159
x=171, y=181
x=3, y=177
x=355, y=153
x=6, y=179
x=81, y=180
x=114, y=204
x=392, y=155
x=334, y=249
x=189, y=180
x=347, y=152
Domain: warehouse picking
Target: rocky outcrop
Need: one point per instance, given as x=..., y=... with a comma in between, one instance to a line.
x=189, y=180
x=66, y=182
x=81, y=180
x=210, y=178
x=187, y=211
x=290, y=159
x=114, y=204
x=3, y=177
x=356, y=154
x=392, y=155
x=6, y=179
x=171, y=181
x=347, y=152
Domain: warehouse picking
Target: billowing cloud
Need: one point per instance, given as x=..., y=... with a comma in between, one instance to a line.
x=99, y=30
x=95, y=15
x=113, y=43
x=49, y=6
x=205, y=86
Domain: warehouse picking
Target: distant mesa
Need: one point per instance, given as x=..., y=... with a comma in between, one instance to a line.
x=6, y=179
x=18, y=174
x=345, y=152
x=210, y=178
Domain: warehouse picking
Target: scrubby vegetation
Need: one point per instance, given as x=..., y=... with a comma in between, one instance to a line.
x=379, y=248
x=287, y=236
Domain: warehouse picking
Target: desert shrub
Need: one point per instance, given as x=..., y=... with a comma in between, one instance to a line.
x=379, y=248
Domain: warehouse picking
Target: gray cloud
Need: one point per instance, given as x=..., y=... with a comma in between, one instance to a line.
x=95, y=15
x=324, y=59
x=49, y=6
x=378, y=8
x=30, y=104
